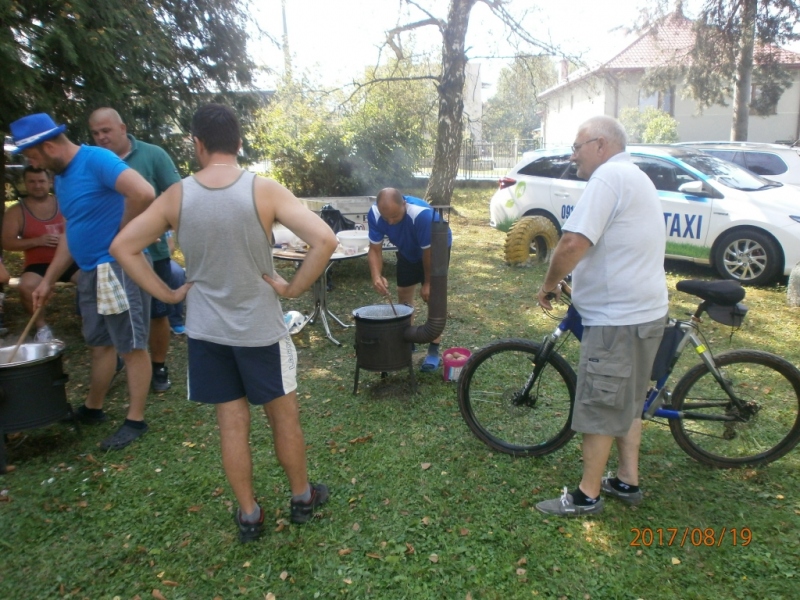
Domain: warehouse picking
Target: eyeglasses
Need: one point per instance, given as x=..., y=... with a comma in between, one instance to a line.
x=576, y=147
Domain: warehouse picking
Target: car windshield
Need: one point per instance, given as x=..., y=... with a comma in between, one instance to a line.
x=727, y=173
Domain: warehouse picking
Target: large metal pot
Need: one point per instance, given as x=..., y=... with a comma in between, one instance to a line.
x=32, y=392
x=380, y=341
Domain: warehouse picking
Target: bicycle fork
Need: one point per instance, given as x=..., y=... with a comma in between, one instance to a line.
x=539, y=363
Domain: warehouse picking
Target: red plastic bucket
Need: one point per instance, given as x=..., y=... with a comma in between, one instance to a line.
x=451, y=365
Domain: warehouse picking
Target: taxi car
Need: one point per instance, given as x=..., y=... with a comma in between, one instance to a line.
x=715, y=212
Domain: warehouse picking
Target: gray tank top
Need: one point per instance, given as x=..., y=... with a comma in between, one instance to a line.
x=227, y=251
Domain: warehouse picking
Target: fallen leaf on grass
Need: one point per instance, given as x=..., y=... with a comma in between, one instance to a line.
x=158, y=595
x=347, y=580
x=195, y=508
x=246, y=564
x=409, y=548
x=426, y=520
x=425, y=466
x=170, y=583
x=434, y=558
x=217, y=492
x=92, y=459
x=356, y=527
x=284, y=575
x=464, y=531
x=267, y=596
x=374, y=555
x=522, y=561
x=676, y=561
x=361, y=440
x=344, y=551
x=521, y=571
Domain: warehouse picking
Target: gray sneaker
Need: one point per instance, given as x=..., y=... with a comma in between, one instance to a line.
x=565, y=507
x=632, y=498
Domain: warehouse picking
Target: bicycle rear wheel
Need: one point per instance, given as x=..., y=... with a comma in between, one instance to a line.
x=764, y=430
x=491, y=401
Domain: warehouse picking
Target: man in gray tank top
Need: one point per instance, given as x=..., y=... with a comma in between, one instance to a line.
x=239, y=348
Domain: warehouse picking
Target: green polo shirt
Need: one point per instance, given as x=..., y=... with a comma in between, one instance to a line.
x=155, y=165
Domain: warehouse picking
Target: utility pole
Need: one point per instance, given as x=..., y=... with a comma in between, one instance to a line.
x=287, y=57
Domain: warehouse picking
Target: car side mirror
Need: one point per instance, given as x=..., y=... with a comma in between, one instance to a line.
x=695, y=188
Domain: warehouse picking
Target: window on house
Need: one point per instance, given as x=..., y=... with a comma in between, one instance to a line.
x=663, y=100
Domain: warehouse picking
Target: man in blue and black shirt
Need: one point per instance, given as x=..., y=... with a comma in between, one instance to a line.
x=406, y=221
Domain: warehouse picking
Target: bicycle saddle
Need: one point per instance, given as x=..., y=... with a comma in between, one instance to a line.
x=726, y=292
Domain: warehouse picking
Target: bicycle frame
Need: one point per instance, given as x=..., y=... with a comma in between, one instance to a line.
x=654, y=405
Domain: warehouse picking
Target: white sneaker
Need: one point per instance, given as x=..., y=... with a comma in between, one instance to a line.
x=43, y=334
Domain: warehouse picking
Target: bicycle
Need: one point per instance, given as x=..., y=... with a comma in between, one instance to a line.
x=740, y=407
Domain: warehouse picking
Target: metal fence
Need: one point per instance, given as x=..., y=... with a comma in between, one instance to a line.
x=483, y=160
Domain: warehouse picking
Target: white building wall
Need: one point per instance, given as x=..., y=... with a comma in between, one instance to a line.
x=587, y=100
x=570, y=107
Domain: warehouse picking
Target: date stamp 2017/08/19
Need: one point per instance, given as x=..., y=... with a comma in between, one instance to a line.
x=695, y=536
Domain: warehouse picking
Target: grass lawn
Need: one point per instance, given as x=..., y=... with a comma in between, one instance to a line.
x=419, y=507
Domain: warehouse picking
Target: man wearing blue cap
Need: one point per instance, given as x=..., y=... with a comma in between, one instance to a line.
x=98, y=194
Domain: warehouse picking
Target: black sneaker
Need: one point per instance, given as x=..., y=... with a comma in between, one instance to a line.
x=160, y=381
x=93, y=417
x=303, y=511
x=249, y=532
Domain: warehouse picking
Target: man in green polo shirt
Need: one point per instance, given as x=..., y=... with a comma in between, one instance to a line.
x=155, y=165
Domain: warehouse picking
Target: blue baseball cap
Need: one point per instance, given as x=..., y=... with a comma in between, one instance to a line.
x=33, y=130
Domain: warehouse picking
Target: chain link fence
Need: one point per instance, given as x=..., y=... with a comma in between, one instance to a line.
x=483, y=160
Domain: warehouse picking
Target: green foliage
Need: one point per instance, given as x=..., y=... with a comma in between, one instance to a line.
x=649, y=126
x=329, y=145
x=716, y=56
x=148, y=59
x=512, y=113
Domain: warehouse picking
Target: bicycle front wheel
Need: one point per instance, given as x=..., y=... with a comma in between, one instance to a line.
x=763, y=429
x=493, y=402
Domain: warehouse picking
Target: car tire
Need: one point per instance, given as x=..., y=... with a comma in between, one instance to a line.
x=531, y=240
x=749, y=256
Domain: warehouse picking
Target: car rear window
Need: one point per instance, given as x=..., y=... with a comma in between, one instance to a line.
x=760, y=163
x=765, y=163
x=553, y=167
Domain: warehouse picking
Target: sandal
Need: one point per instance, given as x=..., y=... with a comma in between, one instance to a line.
x=431, y=363
x=122, y=437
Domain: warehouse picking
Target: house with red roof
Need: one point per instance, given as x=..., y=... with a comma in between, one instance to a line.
x=616, y=85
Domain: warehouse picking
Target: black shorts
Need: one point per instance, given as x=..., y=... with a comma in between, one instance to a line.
x=159, y=309
x=219, y=373
x=41, y=268
x=411, y=273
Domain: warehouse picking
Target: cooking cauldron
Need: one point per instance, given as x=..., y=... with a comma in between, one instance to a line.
x=380, y=341
x=32, y=390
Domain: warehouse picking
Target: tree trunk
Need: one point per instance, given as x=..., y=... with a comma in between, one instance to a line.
x=451, y=104
x=744, y=73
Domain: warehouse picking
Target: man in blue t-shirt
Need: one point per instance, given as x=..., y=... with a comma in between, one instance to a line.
x=406, y=221
x=98, y=194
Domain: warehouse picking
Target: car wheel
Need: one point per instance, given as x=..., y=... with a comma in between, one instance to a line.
x=747, y=255
x=531, y=241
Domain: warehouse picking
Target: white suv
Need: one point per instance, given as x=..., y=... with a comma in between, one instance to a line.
x=715, y=212
x=773, y=161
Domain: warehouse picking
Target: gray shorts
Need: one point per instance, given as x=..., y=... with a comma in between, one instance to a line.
x=613, y=376
x=126, y=331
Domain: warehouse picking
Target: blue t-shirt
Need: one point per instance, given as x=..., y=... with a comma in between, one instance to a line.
x=90, y=204
x=412, y=234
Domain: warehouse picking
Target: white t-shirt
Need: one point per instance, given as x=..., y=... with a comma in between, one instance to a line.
x=620, y=280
